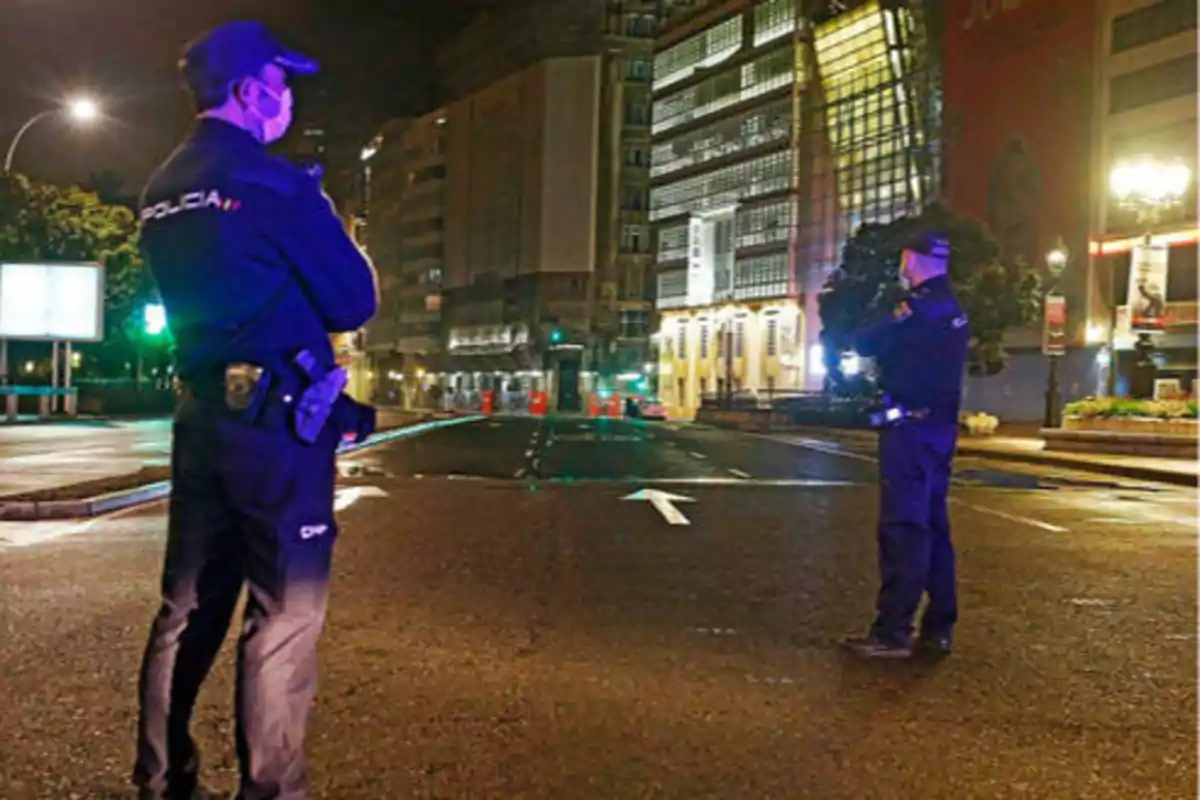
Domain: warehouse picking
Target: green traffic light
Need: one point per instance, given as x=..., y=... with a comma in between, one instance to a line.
x=154, y=319
x=556, y=335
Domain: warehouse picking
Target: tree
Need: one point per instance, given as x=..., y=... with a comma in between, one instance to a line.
x=43, y=222
x=996, y=296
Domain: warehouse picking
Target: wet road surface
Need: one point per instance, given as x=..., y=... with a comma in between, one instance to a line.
x=505, y=623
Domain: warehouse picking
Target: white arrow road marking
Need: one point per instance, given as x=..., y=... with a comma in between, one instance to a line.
x=352, y=494
x=664, y=503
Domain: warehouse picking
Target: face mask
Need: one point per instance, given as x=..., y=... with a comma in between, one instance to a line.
x=275, y=127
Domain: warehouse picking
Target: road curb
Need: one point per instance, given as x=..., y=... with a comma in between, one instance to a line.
x=34, y=510
x=1130, y=471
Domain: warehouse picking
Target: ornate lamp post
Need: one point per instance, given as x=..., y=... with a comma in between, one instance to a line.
x=1053, y=345
x=1148, y=187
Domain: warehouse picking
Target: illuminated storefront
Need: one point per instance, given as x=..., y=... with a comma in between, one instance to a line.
x=761, y=171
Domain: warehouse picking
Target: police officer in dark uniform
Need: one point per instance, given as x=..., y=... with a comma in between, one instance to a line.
x=921, y=351
x=255, y=271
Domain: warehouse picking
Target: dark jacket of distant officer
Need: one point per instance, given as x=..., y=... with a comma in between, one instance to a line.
x=254, y=269
x=920, y=351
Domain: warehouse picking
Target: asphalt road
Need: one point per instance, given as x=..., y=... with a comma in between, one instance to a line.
x=505, y=624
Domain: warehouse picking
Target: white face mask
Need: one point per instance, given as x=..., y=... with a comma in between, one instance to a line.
x=275, y=127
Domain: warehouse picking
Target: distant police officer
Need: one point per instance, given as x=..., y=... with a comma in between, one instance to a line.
x=255, y=271
x=921, y=350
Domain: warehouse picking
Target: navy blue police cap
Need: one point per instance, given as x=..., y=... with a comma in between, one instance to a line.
x=929, y=242
x=223, y=55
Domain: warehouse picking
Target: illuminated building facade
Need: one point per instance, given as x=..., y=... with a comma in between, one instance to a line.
x=1146, y=108
x=768, y=152
x=405, y=183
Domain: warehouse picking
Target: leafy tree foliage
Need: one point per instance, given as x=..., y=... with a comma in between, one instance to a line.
x=43, y=222
x=996, y=296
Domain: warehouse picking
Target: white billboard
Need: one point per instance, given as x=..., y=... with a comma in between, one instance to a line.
x=50, y=301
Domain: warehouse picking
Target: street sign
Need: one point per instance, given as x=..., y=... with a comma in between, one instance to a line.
x=1054, y=329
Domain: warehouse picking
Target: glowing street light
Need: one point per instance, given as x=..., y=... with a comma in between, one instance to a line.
x=80, y=109
x=1148, y=183
x=83, y=109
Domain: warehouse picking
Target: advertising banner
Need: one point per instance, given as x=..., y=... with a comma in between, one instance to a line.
x=1054, y=330
x=1148, y=288
x=53, y=302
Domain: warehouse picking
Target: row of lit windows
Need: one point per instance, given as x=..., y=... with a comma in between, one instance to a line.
x=1156, y=84
x=761, y=225
x=753, y=278
x=736, y=85
x=1153, y=23
x=773, y=19
x=701, y=51
x=751, y=129
x=771, y=173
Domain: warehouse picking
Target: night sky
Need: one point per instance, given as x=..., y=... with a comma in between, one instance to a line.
x=375, y=57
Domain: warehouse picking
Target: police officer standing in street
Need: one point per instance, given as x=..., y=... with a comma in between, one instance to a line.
x=921, y=351
x=255, y=271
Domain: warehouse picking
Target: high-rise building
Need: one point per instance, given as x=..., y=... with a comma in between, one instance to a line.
x=779, y=127
x=401, y=227
x=549, y=111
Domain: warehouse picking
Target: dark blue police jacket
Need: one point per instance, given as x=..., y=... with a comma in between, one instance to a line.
x=249, y=255
x=921, y=350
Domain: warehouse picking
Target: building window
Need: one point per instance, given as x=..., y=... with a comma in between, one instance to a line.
x=682, y=349
x=703, y=340
x=704, y=50
x=636, y=157
x=673, y=243
x=1152, y=23
x=634, y=198
x=638, y=69
x=772, y=335
x=739, y=338
x=1165, y=81
x=764, y=175
x=672, y=289
x=637, y=112
x=634, y=238
x=761, y=277
x=730, y=87
x=634, y=324
x=773, y=19
x=760, y=225
x=725, y=137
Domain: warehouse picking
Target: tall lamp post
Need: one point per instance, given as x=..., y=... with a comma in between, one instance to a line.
x=1147, y=187
x=1053, y=344
x=82, y=110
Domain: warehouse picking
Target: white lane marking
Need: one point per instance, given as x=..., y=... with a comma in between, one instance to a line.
x=529, y=454
x=352, y=494
x=694, y=454
x=519, y=473
x=739, y=473
x=833, y=451
x=1046, y=526
x=664, y=503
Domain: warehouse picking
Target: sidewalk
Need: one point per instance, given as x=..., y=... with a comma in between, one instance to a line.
x=38, y=457
x=1029, y=449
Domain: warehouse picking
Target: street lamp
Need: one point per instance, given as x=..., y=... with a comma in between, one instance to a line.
x=1054, y=312
x=1148, y=187
x=83, y=110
